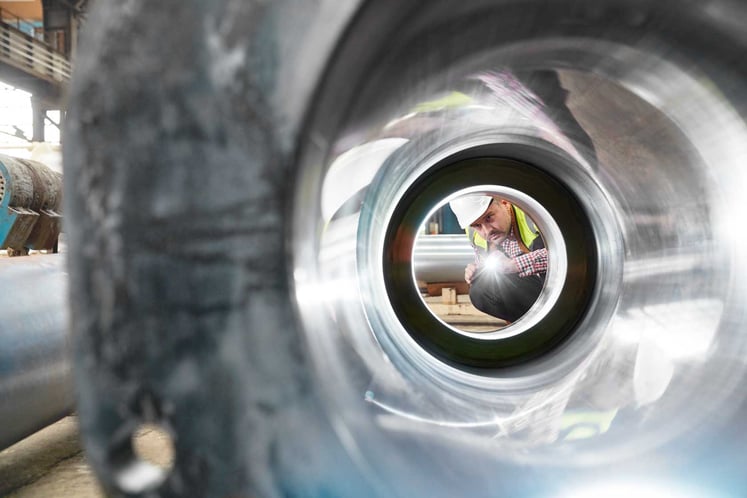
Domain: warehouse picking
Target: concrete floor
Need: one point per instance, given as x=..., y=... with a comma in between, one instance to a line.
x=51, y=463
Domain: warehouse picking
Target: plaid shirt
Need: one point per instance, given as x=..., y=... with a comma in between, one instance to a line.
x=531, y=263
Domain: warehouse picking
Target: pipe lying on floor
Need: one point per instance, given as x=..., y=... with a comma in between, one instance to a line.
x=442, y=258
x=30, y=205
x=35, y=373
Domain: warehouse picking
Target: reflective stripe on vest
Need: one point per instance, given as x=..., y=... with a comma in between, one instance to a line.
x=585, y=424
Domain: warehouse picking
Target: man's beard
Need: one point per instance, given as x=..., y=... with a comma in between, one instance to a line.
x=495, y=238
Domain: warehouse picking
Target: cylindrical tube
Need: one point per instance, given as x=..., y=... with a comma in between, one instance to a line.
x=32, y=184
x=442, y=258
x=35, y=376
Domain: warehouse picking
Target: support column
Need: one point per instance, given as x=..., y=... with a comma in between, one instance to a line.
x=39, y=110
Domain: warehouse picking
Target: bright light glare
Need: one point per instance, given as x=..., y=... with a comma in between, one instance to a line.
x=15, y=115
x=682, y=330
x=637, y=490
x=16, y=119
x=492, y=262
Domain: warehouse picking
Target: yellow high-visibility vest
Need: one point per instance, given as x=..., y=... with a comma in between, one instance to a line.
x=585, y=424
x=527, y=232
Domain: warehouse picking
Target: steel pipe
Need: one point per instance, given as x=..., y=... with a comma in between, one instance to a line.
x=30, y=205
x=36, y=385
x=253, y=319
x=441, y=258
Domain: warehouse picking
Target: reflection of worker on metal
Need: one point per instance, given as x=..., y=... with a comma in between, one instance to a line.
x=511, y=258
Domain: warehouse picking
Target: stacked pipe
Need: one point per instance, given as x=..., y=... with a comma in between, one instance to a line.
x=30, y=205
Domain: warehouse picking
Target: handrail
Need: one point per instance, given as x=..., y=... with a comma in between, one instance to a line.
x=32, y=56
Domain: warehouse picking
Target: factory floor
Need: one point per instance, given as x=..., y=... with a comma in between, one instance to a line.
x=458, y=312
x=51, y=463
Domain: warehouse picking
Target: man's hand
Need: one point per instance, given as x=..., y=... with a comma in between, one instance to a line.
x=497, y=262
x=469, y=272
x=500, y=263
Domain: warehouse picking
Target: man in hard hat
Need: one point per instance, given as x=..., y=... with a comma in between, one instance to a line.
x=510, y=255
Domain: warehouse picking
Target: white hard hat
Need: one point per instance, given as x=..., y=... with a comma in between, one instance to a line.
x=469, y=207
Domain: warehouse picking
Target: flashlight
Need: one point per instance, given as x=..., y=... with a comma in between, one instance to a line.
x=491, y=265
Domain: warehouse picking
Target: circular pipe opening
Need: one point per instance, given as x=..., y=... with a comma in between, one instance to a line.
x=501, y=271
x=570, y=278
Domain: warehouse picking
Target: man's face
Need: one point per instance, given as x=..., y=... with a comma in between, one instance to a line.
x=495, y=224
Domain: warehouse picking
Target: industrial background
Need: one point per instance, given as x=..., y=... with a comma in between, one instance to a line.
x=38, y=42
x=245, y=279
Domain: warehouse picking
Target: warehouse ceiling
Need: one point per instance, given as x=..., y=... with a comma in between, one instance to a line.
x=26, y=9
x=33, y=10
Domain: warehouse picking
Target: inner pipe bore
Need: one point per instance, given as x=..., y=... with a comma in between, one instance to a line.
x=569, y=280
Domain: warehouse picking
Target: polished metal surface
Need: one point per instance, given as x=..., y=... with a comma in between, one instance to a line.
x=659, y=177
x=36, y=385
x=441, y=258
x=233, y=229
